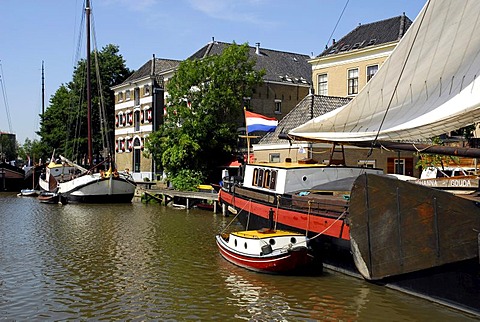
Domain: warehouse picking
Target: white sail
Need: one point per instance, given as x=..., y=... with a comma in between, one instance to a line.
x=427, y=87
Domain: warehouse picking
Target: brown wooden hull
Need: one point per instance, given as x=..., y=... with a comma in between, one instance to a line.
x=397, y=227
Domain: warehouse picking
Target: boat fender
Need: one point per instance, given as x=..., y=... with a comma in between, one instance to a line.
x=266, y=249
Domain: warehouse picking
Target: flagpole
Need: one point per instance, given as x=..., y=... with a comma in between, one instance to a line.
x=247, y=136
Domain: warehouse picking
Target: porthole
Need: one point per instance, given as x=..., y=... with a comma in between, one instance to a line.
x=271, y=241
x=293, y=240
x=304, y=178
x=245, y=245
x=235, y=242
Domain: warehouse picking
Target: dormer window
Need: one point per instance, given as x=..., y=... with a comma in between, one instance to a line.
x=371, y=42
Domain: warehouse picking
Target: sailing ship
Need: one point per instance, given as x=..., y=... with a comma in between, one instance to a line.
x=396, y=232
x=78, y=184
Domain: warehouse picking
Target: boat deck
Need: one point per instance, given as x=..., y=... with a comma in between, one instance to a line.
x=264, y=233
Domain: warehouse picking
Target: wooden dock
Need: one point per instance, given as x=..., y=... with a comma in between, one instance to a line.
x=180, y=199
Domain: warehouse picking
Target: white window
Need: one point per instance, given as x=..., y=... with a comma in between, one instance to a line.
x=353, y=81
x=371, y=70
x=278, y=106
x=366, y=163
x=120, y=97
x=136, y=96
x=322, y=84
x=127, y=95
x=274, y=157
x=399, y=166
x=146, y=90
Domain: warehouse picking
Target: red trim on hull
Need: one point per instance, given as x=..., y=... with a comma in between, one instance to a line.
x=296, y=219
x=283, y=263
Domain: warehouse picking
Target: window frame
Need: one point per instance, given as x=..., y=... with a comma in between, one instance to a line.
x=352, y=81
x=322, y=85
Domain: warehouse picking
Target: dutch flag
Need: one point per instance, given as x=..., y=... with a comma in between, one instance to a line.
x=257, y=122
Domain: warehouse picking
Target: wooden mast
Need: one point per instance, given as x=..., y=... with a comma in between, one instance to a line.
x=89, y=98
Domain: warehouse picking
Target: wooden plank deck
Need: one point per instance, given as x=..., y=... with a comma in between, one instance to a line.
x=169, y=196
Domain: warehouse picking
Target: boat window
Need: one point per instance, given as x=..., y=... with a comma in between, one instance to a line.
x=266, y=180
x=260, y=178
x=245, y=245
x=235, y=242
x=293, y=240
x=273, y=179
x=255, y=177
x=271, y=241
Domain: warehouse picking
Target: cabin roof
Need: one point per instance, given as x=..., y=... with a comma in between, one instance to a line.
x=310, y=107
x=280, y=66
x=370, y=34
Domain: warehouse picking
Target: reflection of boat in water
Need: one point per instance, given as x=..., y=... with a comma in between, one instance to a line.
x=266, y=250
x=420, y=239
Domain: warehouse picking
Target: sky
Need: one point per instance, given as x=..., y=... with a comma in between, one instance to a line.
x=32, y=31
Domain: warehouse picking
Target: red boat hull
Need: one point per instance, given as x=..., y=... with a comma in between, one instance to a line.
x=327, y=225
x=294, y=260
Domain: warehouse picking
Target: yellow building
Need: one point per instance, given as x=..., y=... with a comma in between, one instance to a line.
x=348, y=64
x=338, y=74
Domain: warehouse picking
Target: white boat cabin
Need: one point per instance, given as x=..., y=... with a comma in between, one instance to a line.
x=260, y=243
x=287, y=177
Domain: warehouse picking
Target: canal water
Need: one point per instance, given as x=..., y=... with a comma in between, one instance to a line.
x=142, y=262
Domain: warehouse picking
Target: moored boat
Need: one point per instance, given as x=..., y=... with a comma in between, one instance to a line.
x=28, y=193
x=266, y=250
x=49, y=197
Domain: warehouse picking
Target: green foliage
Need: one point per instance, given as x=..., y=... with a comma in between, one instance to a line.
x=8, y=147
x=203, y=112
x=35, y=150
x=64, y=124
x=187, y=180
x=426, y=160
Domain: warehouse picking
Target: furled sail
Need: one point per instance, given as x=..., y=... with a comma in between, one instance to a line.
x=427, y=87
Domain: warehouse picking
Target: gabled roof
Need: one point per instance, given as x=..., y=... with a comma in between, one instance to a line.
x=146, y=70
x=279, y=66
x=310, y=107
x=371, y=34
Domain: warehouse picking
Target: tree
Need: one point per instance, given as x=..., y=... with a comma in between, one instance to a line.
x=63, y=126
x=199, y=132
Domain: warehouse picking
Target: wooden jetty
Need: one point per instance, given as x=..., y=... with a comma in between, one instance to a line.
x=171, y=197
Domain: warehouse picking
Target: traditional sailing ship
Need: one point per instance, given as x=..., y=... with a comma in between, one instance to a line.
x=413, y=237
x=89, y=185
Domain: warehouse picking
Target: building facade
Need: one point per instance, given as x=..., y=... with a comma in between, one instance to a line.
x=348, y=64
x=139, y=108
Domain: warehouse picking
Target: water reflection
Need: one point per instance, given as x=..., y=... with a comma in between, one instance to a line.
x=146, y=262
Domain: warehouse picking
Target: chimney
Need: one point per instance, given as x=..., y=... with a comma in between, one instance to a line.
x=257, y=48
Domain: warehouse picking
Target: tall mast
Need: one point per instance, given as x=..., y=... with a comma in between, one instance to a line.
x=43, y=90
x=89, y=98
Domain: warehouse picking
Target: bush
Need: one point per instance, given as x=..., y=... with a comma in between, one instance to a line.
x=187, y=180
